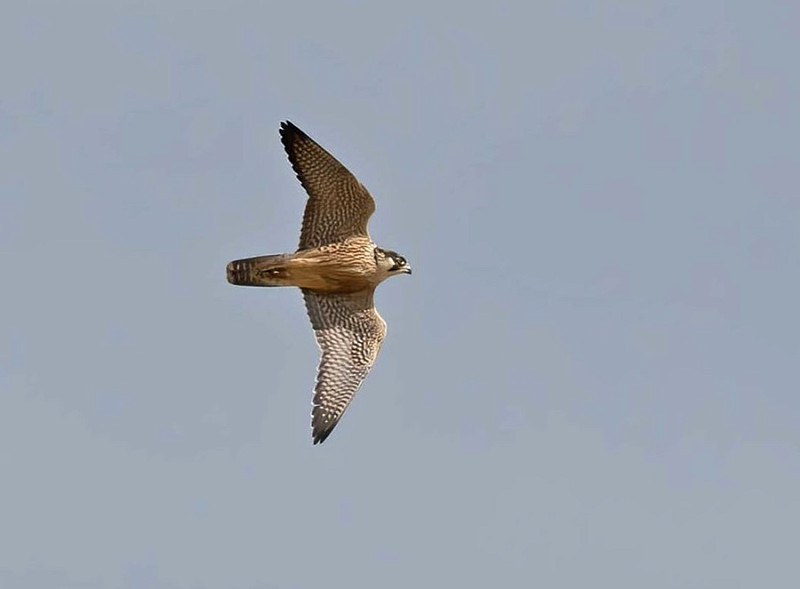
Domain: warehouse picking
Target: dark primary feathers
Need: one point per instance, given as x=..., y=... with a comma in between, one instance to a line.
x=338, y=205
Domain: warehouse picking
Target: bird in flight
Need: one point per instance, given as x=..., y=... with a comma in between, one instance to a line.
x=337, y=266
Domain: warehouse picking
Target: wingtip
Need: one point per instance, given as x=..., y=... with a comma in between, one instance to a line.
x=288, y=128
x=319, y=435
x=321, y=426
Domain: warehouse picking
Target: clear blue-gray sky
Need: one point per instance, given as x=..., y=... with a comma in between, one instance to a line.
x=591, y=379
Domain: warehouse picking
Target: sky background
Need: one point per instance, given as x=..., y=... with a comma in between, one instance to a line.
x=590, y=380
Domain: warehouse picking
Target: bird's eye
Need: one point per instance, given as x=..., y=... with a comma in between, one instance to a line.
x=401, y=261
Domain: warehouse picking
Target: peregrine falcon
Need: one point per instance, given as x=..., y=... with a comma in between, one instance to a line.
x=337, y=266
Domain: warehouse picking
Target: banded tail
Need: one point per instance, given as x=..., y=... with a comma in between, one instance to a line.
x=261, y=271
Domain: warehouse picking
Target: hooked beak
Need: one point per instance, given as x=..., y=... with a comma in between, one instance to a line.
x=407, y=269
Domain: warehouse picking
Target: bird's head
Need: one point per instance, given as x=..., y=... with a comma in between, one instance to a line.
x=391, y=263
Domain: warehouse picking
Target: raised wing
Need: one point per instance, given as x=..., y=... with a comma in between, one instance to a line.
x=338, y=205
x=349, y=333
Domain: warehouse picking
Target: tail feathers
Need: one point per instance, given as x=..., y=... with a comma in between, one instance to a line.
x=260, y=271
